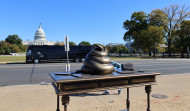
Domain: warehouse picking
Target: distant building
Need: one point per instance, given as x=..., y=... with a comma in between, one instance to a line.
x=115, y=44
x=128, y=45
x=39, y=38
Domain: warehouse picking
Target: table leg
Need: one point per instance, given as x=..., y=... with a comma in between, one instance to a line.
x=65, y=101
x=148, y=90
x=58, y=103
x=127, y=100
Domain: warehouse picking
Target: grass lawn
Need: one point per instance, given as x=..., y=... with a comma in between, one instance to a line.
x=22, y=53
x=12, y=59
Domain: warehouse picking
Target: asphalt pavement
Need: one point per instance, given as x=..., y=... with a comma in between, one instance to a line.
x=21, y=73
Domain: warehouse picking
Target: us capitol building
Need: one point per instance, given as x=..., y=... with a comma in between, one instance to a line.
x=39, y=38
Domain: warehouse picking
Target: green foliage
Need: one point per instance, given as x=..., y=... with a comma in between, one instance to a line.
x=114, y=49
x=123, y=49
x=2, y=51
x=117, y=49
x=134, y=51
x=153, y=35
x=72, y=43
x=84, y=43
x=13, y=44
x=21, y=47
x=134, y=26
x=25, y=48
x=5, y=47
x=182, y=38
x=139, y=28
x=158, y=18
x=13, y=39
x=175, y=16
x=14, y=48
x=7, y=50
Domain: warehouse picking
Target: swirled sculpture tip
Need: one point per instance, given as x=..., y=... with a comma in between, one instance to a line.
x=97, y=62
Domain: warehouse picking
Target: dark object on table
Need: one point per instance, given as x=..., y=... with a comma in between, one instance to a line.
x=125, y=72
x=127, y=66
x=97, y=62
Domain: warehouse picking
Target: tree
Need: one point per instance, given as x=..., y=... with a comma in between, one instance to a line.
x=14, y=48
x=158, y=17
x=2, y=51
x=25, y=48
x=152, y=36
x=21, y=47
x=84, y=43
x=169, y=18
x=123, y=49
x=5, y=47
x=175, y=16
x=7, y=50
x=13, y=39
x=3, y=44
x=182, y=37
x=114, y=49
x=72, y=43
x=134, y=26
x=117, y=49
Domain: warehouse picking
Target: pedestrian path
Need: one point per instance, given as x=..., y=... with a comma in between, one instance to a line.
x=175, y=89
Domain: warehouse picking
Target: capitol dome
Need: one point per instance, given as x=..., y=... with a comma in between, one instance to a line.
x=39, y=38
x=40, y=35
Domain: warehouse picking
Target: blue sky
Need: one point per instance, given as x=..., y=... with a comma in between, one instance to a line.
x=95, y=21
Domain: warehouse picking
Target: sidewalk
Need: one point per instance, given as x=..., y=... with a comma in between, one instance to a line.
x=43, y=97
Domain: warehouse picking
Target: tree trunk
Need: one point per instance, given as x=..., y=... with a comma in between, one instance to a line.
x=162, y=54
x=149, y=52
x=119, y=54
x=182, y=53
x=169, y=47
x=154, y=52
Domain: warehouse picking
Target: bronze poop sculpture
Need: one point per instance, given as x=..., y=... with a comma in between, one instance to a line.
x=97, y=62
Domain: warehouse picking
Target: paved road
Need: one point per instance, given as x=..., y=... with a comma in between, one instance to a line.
x=19, y=74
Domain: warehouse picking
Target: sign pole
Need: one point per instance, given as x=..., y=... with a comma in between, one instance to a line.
x=67, y=49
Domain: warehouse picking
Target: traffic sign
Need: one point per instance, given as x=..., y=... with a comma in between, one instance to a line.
x=67, y=43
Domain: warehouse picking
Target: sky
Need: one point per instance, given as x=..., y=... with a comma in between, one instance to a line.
x=95, y=21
